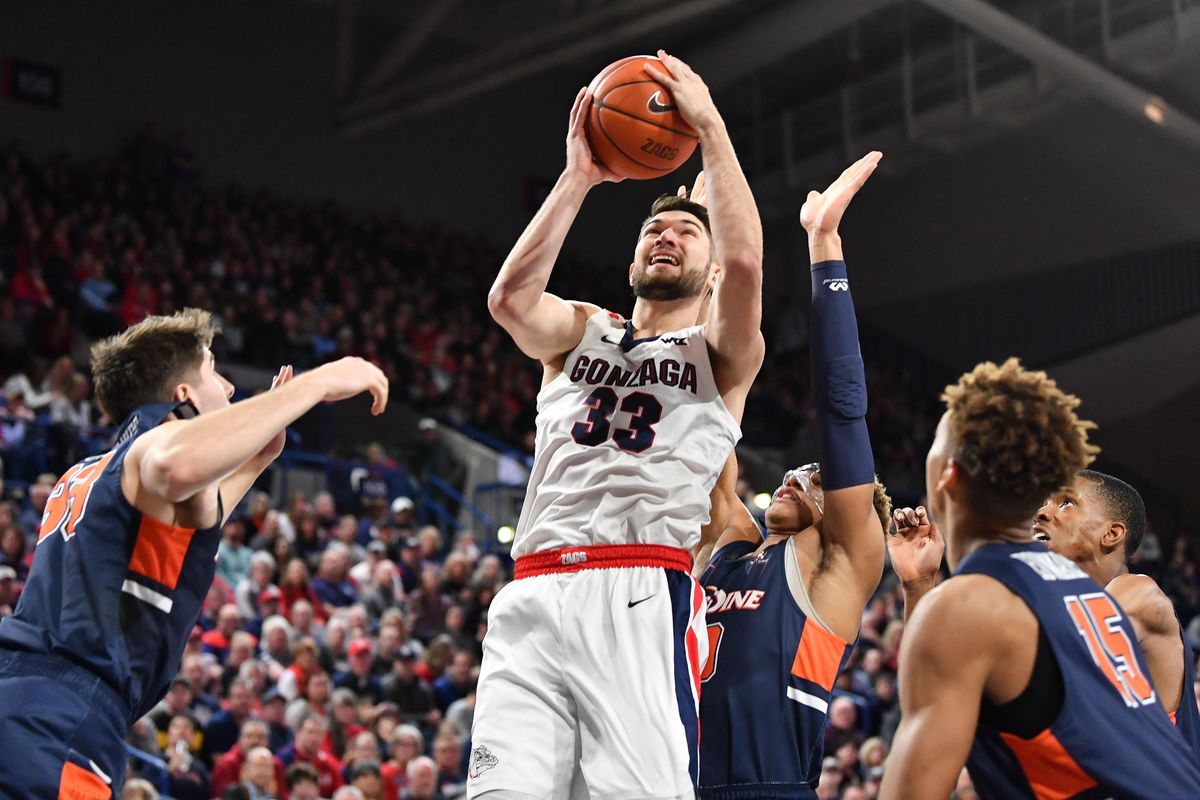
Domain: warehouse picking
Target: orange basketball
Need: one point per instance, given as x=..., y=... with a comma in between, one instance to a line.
x=633, y=127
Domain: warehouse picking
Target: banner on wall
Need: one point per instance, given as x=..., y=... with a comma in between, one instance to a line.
x=27, y=82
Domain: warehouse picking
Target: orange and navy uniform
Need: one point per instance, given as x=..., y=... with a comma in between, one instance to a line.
x=1109, y=736
x=1187, y=716
x=768, y=680
x=101, y=624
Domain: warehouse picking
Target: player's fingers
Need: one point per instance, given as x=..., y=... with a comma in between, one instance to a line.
x=577, y=105
x=660, y=75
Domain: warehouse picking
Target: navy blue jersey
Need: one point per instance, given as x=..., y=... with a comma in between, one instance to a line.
x=767, y=684
x=111, y=589
x=1187, y=716
x=1112, y=737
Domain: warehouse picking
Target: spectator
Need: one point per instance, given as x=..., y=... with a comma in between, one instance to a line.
x=233, y=556
x=447, y=753
x=187, y=777
x=195, y=667
x=176, y=703
x=456, y=682
x=843, y=721
x=279, y=735
x=249, y=590
x=138, y=789
x=410, y=694
x=227, y=769
x=344, y=725
x=258, y=780
x=30, y=520
x=461, y=715
x=310, y=735
x=277, y=641
x=332, y=584
x=428, y=605
x=359, y=677
x=225, y=728
x=318, y=692
x=422, y=780
x=304, y=663
x=303, y=782
x=218, y=641
x=405, y=744
x=366, y=777
x=10, y=590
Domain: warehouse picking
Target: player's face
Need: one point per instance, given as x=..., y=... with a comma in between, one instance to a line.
x=673, y=258
x=210, y=391
x=798, y=502
x=1071, y=521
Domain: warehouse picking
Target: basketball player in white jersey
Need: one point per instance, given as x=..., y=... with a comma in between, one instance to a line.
x=591, y=663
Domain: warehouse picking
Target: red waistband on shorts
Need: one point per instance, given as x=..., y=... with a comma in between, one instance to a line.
x=604, y=556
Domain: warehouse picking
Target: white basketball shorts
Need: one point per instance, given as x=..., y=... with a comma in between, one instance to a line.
x=590, y=676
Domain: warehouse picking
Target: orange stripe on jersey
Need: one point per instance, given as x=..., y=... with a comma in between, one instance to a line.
x=1171, y=715
x=160, y=550
x=77, y=783
x=818, y=656
x=1049, y=768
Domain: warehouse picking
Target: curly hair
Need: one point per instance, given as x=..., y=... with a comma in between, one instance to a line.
x=1016, y=433
x=142, y=364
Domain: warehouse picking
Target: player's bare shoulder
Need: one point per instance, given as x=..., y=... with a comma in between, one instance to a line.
x=1145, y=602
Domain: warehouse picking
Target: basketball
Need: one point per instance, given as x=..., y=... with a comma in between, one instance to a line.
x=633, y=127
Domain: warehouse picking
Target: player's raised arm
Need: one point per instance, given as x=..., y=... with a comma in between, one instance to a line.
x=179, y=458
x=542, y=325
x=733, y=330
x=729, y=520
x=839, y=384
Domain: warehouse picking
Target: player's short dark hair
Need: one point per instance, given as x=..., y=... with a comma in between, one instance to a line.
x=1016, y=435
x=1124, y=504
x=300, y=771
x=143, y=363
x=673, y=202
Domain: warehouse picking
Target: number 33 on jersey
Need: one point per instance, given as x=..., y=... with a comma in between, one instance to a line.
x=630, y=436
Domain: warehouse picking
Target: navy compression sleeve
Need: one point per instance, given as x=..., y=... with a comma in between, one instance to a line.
x=839, y=382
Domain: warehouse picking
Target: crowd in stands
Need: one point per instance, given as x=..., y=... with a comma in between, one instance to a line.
x=338, y=650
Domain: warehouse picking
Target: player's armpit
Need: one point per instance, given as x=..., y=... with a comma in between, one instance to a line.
x=549, y=329
x=945, y=659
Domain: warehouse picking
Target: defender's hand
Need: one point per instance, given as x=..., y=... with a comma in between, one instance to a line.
x=823, y=211
x=688, y=91
x=580, y=158
x=916, y=548
x=273, y=448
x=350, y=376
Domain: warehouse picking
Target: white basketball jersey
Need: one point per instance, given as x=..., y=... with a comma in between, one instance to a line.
x=630, y=440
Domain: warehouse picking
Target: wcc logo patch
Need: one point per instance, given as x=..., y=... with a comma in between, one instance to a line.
x=481, y=761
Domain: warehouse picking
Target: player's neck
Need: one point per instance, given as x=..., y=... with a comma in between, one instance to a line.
x=656, y=317
x=965, y=531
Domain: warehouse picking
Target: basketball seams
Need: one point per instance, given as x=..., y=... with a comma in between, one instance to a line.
x=660, y=170
x=625, y=113
x=600, y=102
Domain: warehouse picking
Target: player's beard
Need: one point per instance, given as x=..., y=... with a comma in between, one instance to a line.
x=668, y=287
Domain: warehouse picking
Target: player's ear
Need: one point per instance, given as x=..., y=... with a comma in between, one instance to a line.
x=632, y=266
x=951, y=476
x=1113, y=536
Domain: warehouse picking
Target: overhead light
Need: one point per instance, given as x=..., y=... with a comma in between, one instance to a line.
x=762, y=500
x=505, y=534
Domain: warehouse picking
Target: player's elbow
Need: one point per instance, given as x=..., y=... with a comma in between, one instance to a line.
x=503, y=304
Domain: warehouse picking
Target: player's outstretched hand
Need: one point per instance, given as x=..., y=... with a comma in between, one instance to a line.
x=688, y=91
x=273, y=448
x=822, y=211
x=699, y=192
x=916, y=548
x=351, y=376
x=580, y=158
